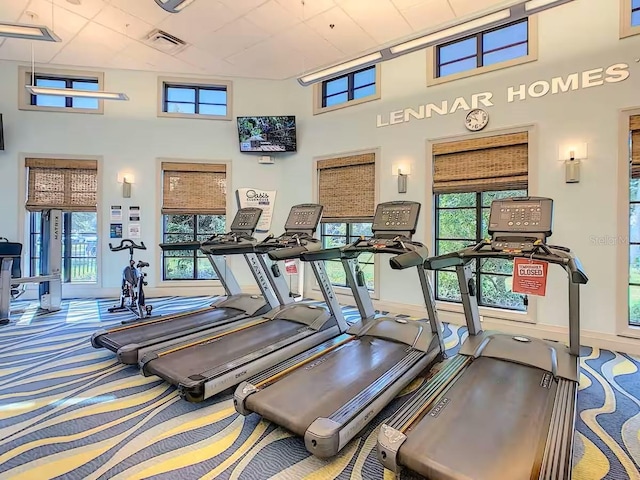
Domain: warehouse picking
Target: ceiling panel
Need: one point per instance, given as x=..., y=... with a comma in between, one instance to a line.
x=240, y=7
x=404, y=4
x=93, y=46
x=204, y=62
x=233, y=38
x=146, y=10
x=12, y=9
x=151, y=56
x=462, y=8
x=381, y=20
x=346, y=35
x=272, y=17
x=428, y=15
x=307, y=9
x=122, y=22
x=197, y=22
x=87, y=8
x=310, y=44
x=268, y=58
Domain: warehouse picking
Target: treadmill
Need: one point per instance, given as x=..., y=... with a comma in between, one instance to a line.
x=131, y=341
x=505, y=406
x=329, y=394
x=207, y=366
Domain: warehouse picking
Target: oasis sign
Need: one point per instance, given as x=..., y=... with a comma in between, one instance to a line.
x=596, y=77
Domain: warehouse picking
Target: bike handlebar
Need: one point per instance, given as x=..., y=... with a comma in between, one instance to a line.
x=130, y=245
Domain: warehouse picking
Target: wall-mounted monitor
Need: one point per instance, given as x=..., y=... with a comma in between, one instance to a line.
x=267, y=134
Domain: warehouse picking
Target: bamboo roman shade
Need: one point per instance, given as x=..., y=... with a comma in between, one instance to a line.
x=194, y=188
x=63, y=184
x=481, y=164
x=634, y=126
x=347, y=187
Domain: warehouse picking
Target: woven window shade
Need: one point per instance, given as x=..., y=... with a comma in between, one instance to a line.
x=347, y=187
x=63, y=184
x=634, y=126
x=483, y=164
x=194, y=188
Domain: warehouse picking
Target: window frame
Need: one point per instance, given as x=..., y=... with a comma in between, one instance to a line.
x=433, y=53
x=320, y=88
x=626, y=28
x=25, y=98
x=211, y=84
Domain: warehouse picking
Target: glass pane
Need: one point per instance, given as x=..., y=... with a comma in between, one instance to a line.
x=82, y=85
x=457, y=223
x=457, y=67
x=634, y=190
x=505, y=36
x=364, y=91
x=358, y=229
x=46, y=82
x=364, y=78
x=176, y=268
x=485, y=222
x=458, y=50
x=634, y=223
x=336, y=274
x=177, y=94
x=78, y=102
x=635, y=18
x=50, y=101
x=488, y=197
x=36, y=219
x=448, y=288
x=448, y=246
x=212, y=109
x=634, y=264
x=177, y=237
x=368, y=270
x=336, y=86
x=336, y=99
x=84, y=270
x=178, y=223
x=635, y=4
x=634, y=305
x=210, y=224
x=503, y=55
x=332, y=241
x=205, y=270
x=334, y=229
x=454, y=200
x=496, y=292
x=213, y=96
x=496, y=265
x=181, y=108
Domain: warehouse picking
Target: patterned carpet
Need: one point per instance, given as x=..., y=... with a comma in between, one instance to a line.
x=69, y=411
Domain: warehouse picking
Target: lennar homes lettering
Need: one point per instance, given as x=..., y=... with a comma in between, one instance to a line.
x=596, y=77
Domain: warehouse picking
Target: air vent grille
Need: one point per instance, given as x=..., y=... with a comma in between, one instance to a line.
x=165, y=42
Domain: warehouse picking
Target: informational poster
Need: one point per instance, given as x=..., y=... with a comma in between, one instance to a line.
x=263, y=199
x=115, y=230
x=291, y=266
x=530, y=277
x=134, y=214
x=134, y=230
x=116, y=213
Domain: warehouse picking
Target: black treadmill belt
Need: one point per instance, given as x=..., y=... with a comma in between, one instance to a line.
x=492, y=426
x=170, y=326
x=323, y=386
x=198, y=359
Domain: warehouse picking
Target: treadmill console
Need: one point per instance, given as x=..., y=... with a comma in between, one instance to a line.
x=246, y=220
x=304, y=218
x=518, y=223
x=399, y=218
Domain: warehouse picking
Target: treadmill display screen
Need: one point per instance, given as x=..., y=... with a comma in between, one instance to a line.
x=396, y=216
x=304, y=217
x=521, y=215
x=246, y=219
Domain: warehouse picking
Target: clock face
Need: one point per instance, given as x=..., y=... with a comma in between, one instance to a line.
x=476, y=120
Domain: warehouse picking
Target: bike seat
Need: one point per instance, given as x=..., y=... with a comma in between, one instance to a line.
x=142, y=264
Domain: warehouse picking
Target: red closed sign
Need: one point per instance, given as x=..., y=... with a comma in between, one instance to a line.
x=529, y=277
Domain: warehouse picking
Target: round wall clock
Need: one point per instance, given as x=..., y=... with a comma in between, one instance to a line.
x=476, y=120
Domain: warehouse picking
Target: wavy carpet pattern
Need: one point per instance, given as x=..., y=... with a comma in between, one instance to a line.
x=69, y=411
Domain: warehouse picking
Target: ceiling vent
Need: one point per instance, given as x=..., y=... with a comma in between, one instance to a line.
x=164, y=42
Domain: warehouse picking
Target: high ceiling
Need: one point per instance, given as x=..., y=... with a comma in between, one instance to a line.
x=272, y=39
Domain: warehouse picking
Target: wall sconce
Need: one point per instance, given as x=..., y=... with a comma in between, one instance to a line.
x=571, y=156
x=402, y=170
x=126, y=179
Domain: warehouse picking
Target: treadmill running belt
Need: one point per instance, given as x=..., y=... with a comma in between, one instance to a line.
x=320, y=388
x=170, y=326
x=178, y=366
x=494, y=425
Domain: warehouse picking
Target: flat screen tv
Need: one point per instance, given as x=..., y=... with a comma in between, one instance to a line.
x=267, y=134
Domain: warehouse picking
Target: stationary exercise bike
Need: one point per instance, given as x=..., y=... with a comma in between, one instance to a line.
x=133, y=282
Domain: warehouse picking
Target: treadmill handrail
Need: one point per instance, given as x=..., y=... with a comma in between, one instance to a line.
x=555, y=255
x=287, y=253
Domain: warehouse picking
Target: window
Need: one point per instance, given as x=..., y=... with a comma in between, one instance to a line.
x=629, y=18
x=79, y=246
x=193, y=209
x=350, y=89
x=91, y=81
x=500, y=47
x=188, y=99
x=467, y=176
x=346, y=190
x=634, y=223
x=189, y=265
x=339, y=234
x=461, y=220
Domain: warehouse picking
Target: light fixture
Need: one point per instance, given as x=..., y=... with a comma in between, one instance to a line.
x=402, y=170
x=345, y=67
x=571, y=155
x=126, y=179
x=28, y=32
x=174, y=6
x=73, y=92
